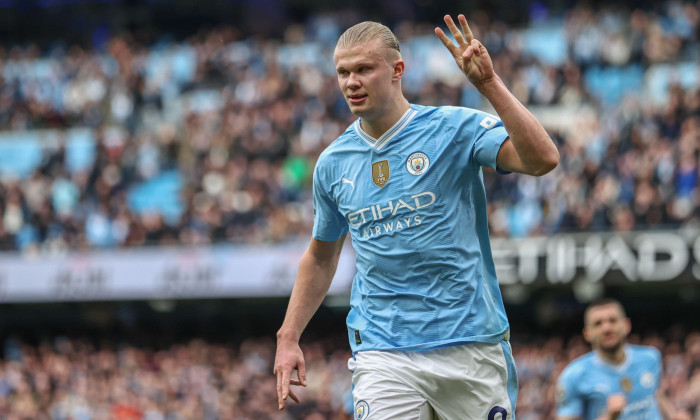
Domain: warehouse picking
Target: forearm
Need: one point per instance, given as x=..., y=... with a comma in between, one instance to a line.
x=534, y=148
x=312, y=283
x=669, y=411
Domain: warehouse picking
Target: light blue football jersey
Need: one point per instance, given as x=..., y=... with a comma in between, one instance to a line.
x=584, y=386
x=414, y=203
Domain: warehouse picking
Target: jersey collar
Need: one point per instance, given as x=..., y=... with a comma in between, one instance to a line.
x=617, y=368
x=378, y=144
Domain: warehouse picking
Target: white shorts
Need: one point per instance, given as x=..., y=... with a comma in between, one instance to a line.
x=474, y=381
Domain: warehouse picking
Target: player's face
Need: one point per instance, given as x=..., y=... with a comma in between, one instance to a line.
x=606, y=328
x=366, y=78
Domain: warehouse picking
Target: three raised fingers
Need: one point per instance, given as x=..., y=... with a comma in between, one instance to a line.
x=464, y=38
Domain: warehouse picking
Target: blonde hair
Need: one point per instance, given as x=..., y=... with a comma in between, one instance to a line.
x=368, y=31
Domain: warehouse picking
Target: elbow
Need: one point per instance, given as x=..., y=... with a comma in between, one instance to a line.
x=547, y=162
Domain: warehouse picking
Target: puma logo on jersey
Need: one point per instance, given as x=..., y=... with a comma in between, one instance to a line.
x=348, y=181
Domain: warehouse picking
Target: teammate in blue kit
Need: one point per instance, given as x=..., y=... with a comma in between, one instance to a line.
x=615, y=380
x=427, y=326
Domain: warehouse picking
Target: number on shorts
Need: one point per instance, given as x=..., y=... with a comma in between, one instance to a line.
x=497, y=410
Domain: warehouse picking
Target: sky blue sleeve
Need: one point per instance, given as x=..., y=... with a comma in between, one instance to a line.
x=489, y=134
x=658, y=367
x=329, y=224
x=569, y=403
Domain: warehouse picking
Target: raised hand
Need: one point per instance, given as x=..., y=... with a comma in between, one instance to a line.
x=469, y=54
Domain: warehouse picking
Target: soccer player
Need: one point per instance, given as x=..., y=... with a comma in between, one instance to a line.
x=616, y=380
x=427, y=326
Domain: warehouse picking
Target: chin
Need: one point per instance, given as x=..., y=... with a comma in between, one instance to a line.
x=612, y=348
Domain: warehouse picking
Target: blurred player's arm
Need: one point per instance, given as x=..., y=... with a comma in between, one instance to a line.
x=569, y=404
x=616, y=403
x=316, y=270
x=529, y=150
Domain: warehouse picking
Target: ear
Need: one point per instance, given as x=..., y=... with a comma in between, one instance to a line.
x=628, y=326
x=585, y=334
x=399, y=66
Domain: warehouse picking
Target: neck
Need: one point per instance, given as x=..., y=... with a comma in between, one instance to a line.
x=615, y=357
x=376, y=126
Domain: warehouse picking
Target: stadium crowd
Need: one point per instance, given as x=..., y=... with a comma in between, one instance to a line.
x=237, y=124
x=75, y=379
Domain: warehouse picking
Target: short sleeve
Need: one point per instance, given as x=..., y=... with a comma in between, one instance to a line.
x=489, y=136
x=658, y=367
x=329, y=224
x=569, y=404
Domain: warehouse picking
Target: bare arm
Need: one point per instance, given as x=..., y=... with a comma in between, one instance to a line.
x=529, y=149
x=316, y=270
x=668, y=409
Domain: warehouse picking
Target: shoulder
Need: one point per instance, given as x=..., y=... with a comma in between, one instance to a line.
x=578, y=368
x=458, y=116
x=644, y=353
x=446, y=111
x=331, y=153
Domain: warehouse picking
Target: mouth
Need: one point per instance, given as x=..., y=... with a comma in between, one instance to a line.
x=357, y=98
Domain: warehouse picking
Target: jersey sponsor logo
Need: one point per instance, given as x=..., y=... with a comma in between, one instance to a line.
x=375, y=212
x=635, y=409
x=417, y=163
x=361, y=410
x=380, y=173
x=647, y=379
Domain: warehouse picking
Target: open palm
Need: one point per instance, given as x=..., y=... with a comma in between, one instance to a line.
x=469, y=54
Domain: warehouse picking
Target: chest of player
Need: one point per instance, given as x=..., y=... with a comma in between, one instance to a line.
x=400, y=186
x=638, y=386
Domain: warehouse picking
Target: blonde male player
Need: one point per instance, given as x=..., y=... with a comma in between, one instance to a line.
x=427, y=326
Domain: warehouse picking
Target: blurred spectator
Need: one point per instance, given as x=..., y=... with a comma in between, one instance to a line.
x=214, y=138
x=75, y=379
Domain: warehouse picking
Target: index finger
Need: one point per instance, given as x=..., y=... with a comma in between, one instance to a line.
x=447, y=42
x=283, y=378
x=465, y=28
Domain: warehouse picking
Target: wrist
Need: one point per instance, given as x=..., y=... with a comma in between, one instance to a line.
x=492, y=85
x=285, y=334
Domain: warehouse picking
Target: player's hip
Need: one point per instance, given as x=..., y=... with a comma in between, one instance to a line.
x=475, y=380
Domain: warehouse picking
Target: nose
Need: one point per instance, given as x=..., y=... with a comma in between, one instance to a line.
x=353, y=81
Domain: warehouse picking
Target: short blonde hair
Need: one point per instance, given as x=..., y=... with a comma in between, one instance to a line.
x=368, y=31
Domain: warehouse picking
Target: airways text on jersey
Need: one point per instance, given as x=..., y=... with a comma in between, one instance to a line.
x=395, y=215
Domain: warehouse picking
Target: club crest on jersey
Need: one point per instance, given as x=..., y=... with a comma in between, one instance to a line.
x=361, y=410
x=380, y=173
x=417, y=163
x=626, y=384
